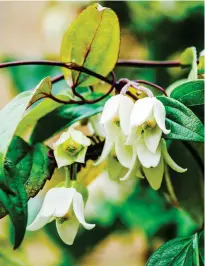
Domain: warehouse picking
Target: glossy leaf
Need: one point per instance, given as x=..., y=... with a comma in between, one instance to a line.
x=61, y=118
x=91, y=41
x=42, y=89
x=189, y=57
x=15, y=204
x=201, y=246
x=190, y=93
x=31, y=164
x=39, y=110
x=179, y=251
x=182, y=122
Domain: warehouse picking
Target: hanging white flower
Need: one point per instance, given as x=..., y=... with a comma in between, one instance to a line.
x=148, y=117
x=71, y=147
x=66, y=206
x=115, y=119
x=152, y=163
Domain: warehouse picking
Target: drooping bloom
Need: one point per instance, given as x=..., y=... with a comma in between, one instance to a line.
x=115, y=119
x=155, y=174
x=147, y=122
x=148, y=117
x=66, y=206
x=71, y=147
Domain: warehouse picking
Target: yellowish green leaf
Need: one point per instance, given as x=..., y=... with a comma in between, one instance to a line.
x=92, y=41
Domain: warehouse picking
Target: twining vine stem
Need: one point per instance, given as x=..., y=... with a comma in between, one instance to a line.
x=73, y=66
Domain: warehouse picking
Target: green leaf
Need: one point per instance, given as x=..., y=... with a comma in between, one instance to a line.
x=174, y=85
x=189, y=57
x=15, y=204
x=27, y=169
x=61, y=118
x=39, y=110
x=43, y=88
x=177, y=252
x=92, y=41
x=201, y=245
x=10, y=116
x=32, y=164
x=182, y=122
x=190, y=93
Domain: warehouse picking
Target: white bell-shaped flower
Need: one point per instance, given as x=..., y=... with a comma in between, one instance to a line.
x=66, y=206
x=115, y=119
x=71, y=147
x=148, y=117
x=152, y=163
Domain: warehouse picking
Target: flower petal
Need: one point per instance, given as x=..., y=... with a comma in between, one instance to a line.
x=147, y=158
x=63, y=201
x=68, y=230
x=110, y=109
x=81, y=156
x=38, y=223
x=123, y=152
x=112, y=130
x=114, y=169
x=46, y=211
x=134, y=134
x=169, y=160
x=141, y=111
x=78, y=207
x=63, y=137
x=62, y=157
x=125, y=109
x=133, y=167
x=154, y=175
x=152, y=138
x=106, y=150
x=160, y=115
x=79, y=137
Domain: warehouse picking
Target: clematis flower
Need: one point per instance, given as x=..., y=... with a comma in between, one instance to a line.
x=71, y=147
x=148, y=117
x=66, y=206
x=115, y=119
x=152, y=163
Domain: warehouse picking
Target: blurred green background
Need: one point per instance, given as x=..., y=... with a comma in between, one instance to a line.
x=132, y=219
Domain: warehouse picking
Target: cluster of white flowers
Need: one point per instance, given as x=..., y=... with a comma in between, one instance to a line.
x=134, y=132
x=133, y=137
x=66, y=204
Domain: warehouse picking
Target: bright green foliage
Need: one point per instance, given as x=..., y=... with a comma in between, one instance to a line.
x=61, y=118
x=201, y=246
x=15, y=204
x=10, y=117
x=190, y=93
x=182, y=122
x=189, y=57
x=32, y=163
x=177, y=252
x=39, y=110
x=41, y=91
x=91, y=41
x=27, y=170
